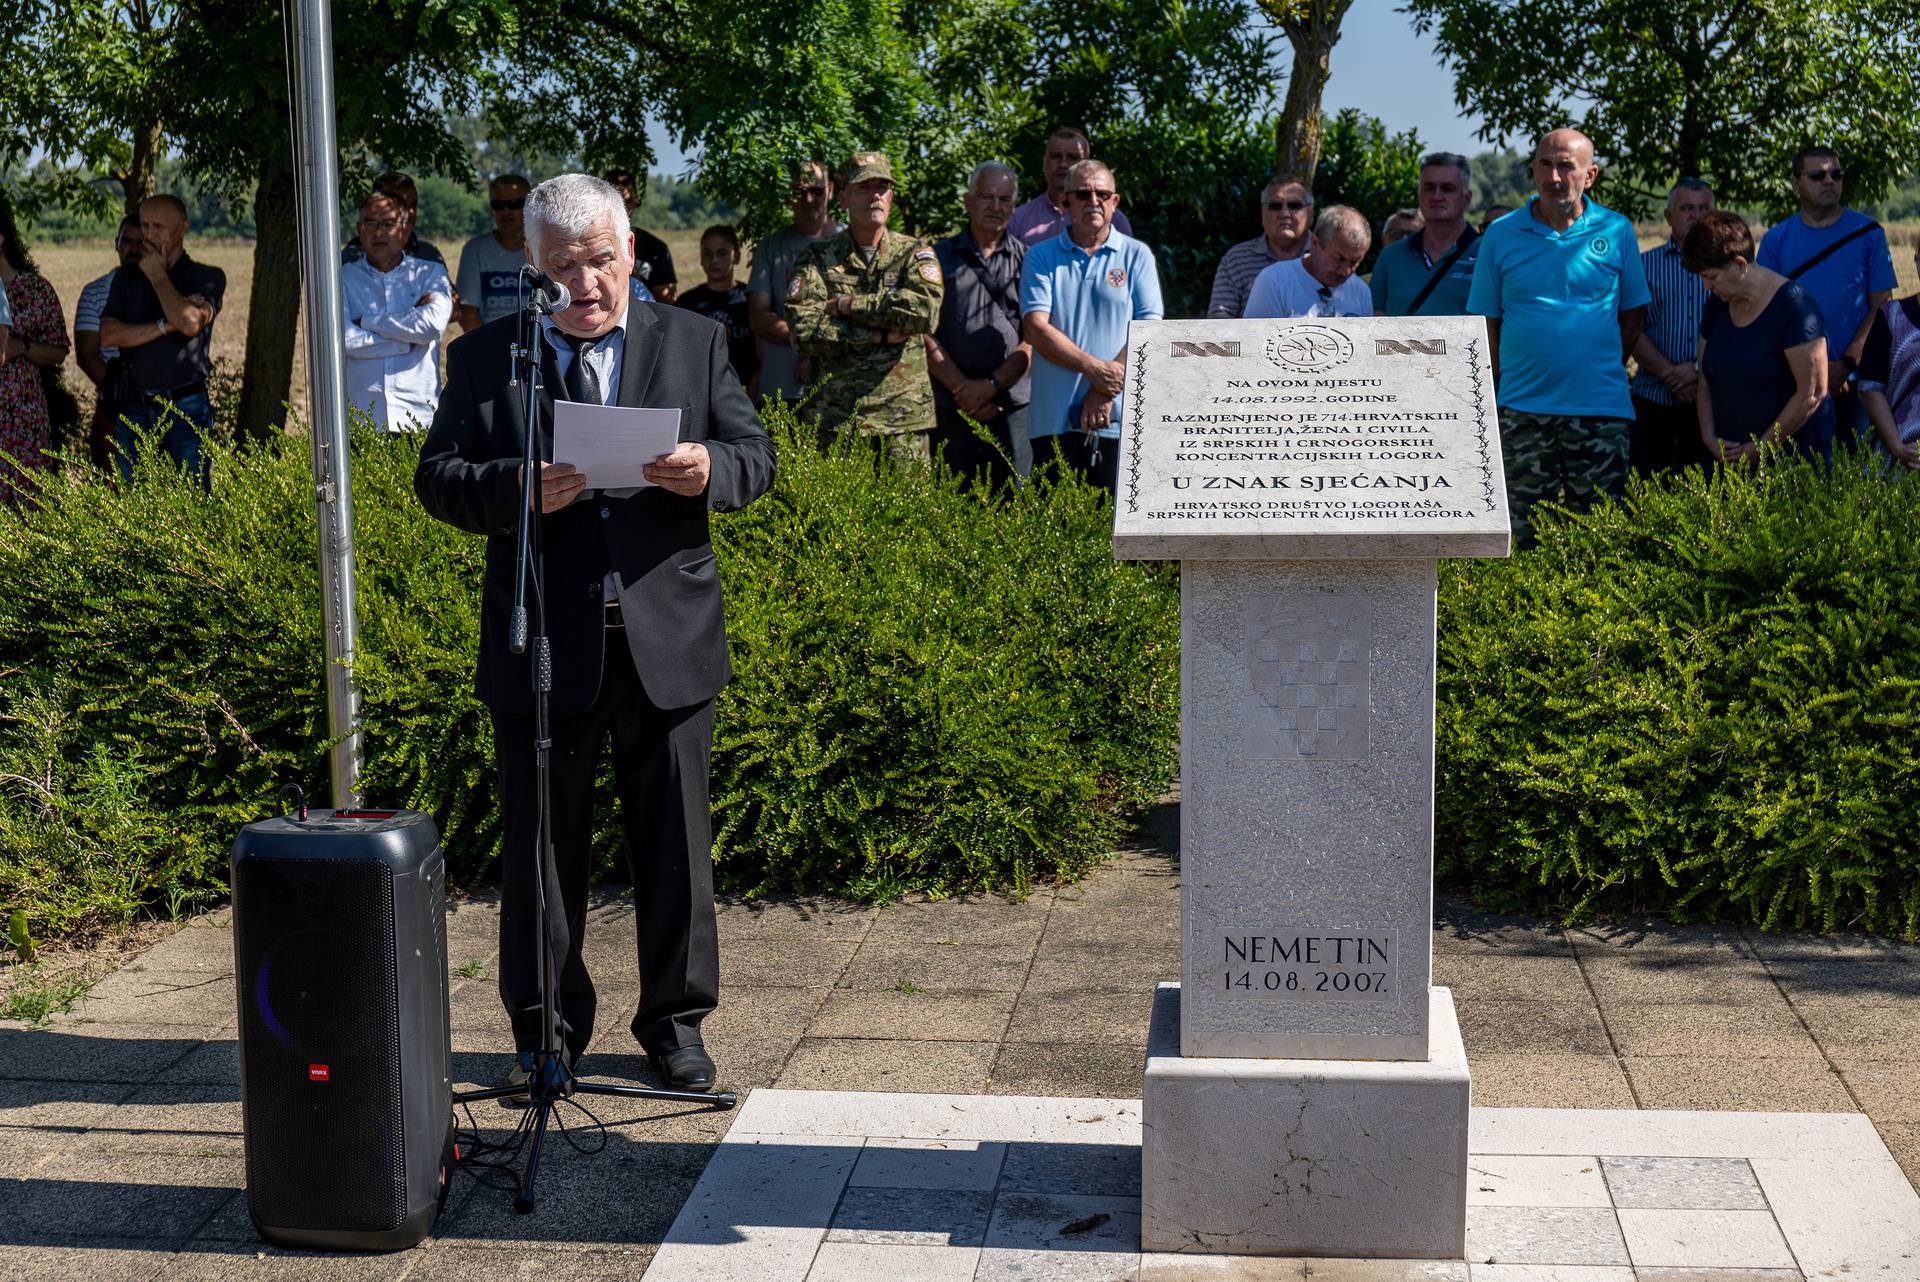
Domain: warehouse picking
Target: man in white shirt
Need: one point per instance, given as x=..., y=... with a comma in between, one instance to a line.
x=397, y=308
x=1321, y=282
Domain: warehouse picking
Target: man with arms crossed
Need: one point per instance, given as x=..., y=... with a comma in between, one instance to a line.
x=633, y=610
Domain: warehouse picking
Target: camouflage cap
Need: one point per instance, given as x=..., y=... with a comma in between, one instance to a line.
x=865, y=165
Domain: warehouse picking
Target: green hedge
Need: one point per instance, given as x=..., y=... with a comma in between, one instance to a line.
x=1700, y=703
x=935, y=691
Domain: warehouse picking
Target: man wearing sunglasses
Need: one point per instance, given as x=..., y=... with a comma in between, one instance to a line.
x=1840, y=256
x=1078, y=294
x=489, y=283
x=1286, y=214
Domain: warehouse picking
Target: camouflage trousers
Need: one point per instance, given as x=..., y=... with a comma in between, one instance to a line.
x=905, y=449
x=1567, y=459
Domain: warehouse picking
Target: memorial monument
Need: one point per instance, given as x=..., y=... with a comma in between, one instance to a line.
x=1306, y=1090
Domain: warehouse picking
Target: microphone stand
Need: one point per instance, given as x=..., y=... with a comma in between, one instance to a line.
x=544, y=1095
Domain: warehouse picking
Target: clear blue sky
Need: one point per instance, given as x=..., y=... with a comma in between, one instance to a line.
x=1380, y=66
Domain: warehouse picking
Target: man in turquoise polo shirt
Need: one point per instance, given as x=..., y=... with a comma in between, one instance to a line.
x=1078, y=293
x=1428, y=272
x=1561, y=285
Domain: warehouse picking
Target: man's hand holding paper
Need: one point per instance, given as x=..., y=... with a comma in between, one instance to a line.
x=616, y=446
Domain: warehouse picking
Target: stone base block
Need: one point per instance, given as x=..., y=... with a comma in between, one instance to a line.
x=1313, y=1157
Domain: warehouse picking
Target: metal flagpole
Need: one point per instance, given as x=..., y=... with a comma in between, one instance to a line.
x=311, y=59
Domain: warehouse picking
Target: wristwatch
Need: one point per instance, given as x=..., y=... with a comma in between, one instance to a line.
x=161, y=325
x=998, y=386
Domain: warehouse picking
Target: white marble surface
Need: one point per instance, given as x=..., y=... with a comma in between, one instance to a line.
x=1306, y=818
x=765, y=1205
x=1305, y=1157
x=1310, y=439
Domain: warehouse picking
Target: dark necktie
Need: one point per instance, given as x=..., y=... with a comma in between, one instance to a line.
x=583, y=383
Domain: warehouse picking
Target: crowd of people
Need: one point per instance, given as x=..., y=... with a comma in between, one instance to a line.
x=1002, y=344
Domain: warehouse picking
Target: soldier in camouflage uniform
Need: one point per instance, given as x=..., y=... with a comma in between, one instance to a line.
x=858, y=303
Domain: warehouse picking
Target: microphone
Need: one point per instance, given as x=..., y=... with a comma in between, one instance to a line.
x=544, y=295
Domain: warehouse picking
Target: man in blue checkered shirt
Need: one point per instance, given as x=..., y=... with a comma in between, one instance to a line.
x=1666, y=430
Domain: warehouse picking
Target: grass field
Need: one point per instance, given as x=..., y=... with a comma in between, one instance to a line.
x=69, y=267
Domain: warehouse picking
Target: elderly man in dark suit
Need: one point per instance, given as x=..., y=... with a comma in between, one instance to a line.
x=633, y=611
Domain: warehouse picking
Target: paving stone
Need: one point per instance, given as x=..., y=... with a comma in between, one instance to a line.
x=1102, y=967
x=80, y=1198
x=1705, y=1239
x=1840, y=965
x=1543, y=1235
x=458, y=1262
x=1888, y=1091
x=41, y=1118
x=1150, y=920
x=216, y=1060
x=1099, y=1170
x=1642, y=936
x=96, y=1262
x=1386, y=1271
x=1109, y=1018
x=1903, y=1141
x=1784, y=1085
x=1163, y=1266
x=1718, y=1275
x=963, y=1165
x=1552, y=1273
x=1476, y=976
x=780, y=962
x=1004, y=1265
x=759, y=1014
x=190, y=1119
x=1676, y=976
x=869, y=1262
x=1545, y=1079
x=911, y=1216
x=818, y=920
x=196, y=998
x=1853, y=1030
x=200, y=945
x=760, y=1210
x=1536, y=1181
x=81, y=1051
x=587, y=1201
x=220, y=1261
x=1069, y=1069
x=881, y=965
x=1458, y=929
x=1041, y=1222
x=872, y=1065
x=1683, y=1183
x=988, y=920
x=1848, y=1220
x=1510, y=1027
x=928, y=1016
x=1698, y=1031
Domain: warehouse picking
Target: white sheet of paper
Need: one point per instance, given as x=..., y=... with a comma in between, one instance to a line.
x=611, y=443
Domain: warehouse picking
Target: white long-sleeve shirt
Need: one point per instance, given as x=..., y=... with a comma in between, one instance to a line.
x=393, y=340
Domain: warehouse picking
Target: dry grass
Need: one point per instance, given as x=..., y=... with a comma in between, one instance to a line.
x=71, y=266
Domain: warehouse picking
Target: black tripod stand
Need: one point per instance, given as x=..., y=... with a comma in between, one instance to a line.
x=552, y=1080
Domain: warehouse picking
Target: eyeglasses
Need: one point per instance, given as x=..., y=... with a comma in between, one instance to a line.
x=382, y=224
x=809, y=192
x=1088, y=194
x=501, y=206
x=1821, y=175
x=1288, y=206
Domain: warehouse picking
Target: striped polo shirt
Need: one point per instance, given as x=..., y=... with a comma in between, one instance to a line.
x=1234, y=278
x=86, y=316
x=1673, y=317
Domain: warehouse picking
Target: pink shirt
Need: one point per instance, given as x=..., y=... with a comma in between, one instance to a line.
x=1040, y=219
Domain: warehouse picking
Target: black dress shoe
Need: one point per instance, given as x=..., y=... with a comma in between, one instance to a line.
x=689, y=1068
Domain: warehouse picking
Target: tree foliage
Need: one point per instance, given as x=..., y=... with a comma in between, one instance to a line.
x=1726, y=90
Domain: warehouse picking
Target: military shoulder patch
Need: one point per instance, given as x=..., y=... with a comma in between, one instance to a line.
x=793, y=289
x=930, y=271
x=924, y=252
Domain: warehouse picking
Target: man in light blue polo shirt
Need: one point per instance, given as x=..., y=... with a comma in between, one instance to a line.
x=1840, y=256
x=1078, y=293
x=1561, y=285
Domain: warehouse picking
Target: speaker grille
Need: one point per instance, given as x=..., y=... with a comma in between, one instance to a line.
x=319, y=1029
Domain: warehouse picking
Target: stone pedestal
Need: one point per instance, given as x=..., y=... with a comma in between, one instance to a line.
x=1316, y=1157
x=1306, y=1092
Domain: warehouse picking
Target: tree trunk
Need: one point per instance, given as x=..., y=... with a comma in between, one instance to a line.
x=273, y=312
x=1312, y=27
x=136, y=184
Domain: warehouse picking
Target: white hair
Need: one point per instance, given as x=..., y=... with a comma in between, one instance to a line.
x=572, y=204
x=995, y=167
x=1085, y=170
x=1343, y=222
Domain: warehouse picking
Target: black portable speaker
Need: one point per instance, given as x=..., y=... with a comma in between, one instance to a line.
x=340, y=950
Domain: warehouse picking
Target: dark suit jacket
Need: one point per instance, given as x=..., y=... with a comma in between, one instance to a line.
x=655, y=542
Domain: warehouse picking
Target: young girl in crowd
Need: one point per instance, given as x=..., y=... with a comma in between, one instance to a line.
x=724, y=299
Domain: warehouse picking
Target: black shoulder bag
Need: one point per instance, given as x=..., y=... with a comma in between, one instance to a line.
x=1832, y=249
x=1439, y=274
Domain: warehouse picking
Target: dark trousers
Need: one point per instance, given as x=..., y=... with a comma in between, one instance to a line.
x=1664, y=438
x=1095, y=458
x=1851, y=426
x=183, y=424
x=660, y=774
x=967, y=455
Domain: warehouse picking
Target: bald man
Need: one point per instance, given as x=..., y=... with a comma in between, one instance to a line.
x=1566, y=272
x=160, y=318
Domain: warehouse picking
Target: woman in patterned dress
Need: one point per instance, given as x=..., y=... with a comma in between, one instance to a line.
x=1890, y=376
x=38, y=341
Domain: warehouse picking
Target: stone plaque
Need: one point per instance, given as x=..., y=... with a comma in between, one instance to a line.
x=1342, y=438
x=1349, y=965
